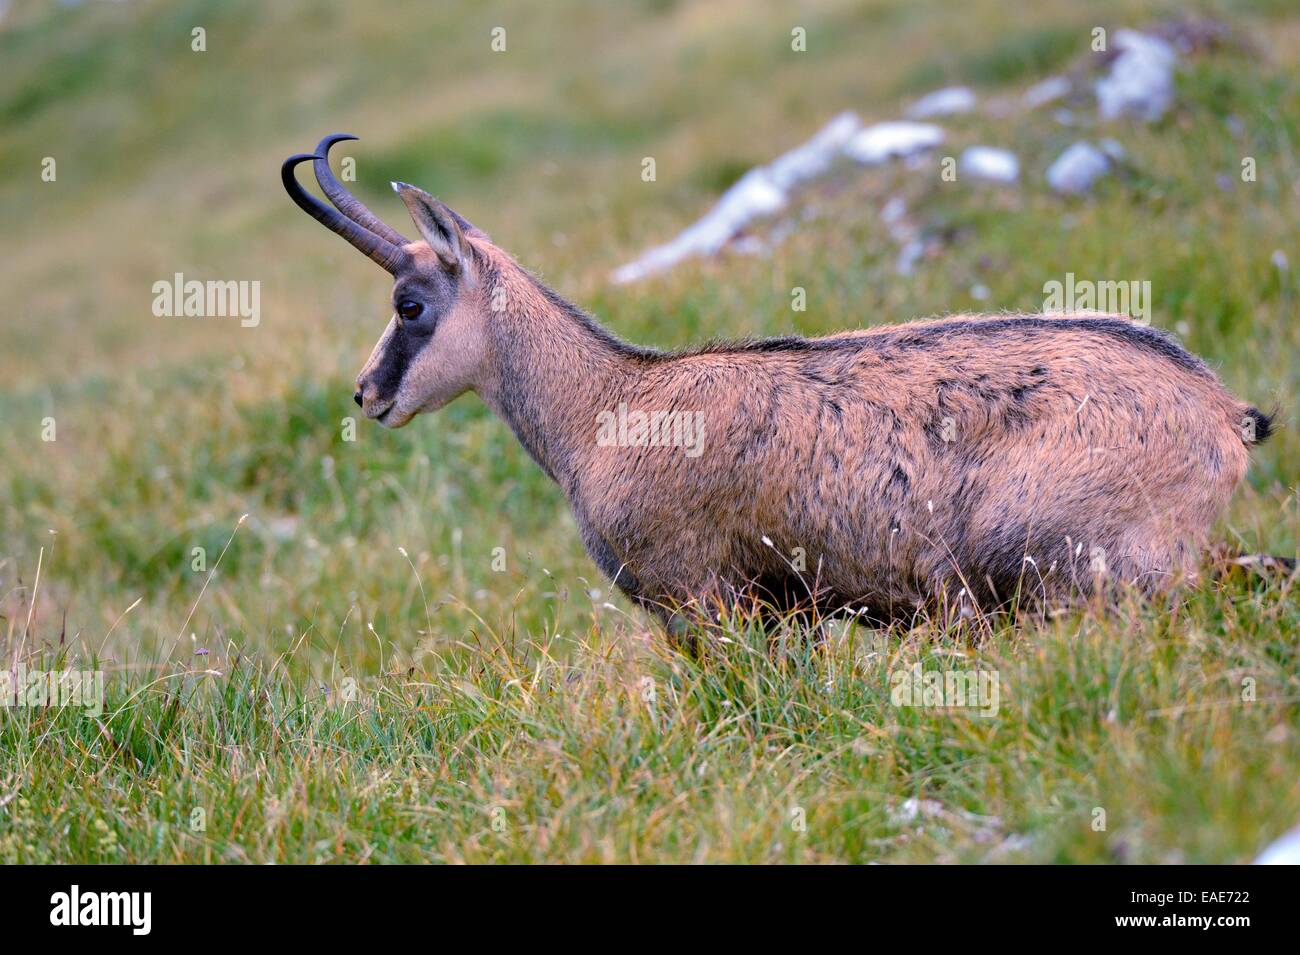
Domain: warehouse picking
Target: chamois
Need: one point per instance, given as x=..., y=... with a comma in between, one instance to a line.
x=977, y=457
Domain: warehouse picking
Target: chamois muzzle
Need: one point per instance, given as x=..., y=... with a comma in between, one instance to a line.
x=358, y=225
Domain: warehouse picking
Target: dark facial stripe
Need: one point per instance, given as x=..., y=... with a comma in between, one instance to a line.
x=398, y=354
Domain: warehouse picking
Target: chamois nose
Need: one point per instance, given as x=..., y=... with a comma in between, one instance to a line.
x=357, y=398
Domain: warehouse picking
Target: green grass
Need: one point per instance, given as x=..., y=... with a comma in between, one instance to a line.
x=517, y=749
x=1021, y=55
x=527, y=713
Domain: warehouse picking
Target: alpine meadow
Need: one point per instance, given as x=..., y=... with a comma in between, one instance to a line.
x=241, y=622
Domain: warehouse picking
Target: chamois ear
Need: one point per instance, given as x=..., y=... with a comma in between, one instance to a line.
x=439, y=226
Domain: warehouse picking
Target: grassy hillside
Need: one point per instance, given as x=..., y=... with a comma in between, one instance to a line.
x=370, y=687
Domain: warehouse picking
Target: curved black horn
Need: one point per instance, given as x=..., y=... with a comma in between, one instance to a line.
x=343, y=200
x=388, y=256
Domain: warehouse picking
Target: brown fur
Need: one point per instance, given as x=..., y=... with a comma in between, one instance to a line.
x=980, y=456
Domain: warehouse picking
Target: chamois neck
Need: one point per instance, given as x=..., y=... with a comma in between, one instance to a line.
x=554, y=368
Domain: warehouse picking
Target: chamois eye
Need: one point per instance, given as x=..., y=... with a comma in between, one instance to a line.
x=409, y=310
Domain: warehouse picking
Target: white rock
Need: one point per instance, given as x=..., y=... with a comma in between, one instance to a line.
x=893, y=210
x=1076, y=169
x=908, y=256
x=761, y=191
x=1048, y=91
x=954, y=99
x=1140, y=82
x=749, y=245
x=883, y=141
x=986, y=162
x=753, y=195
x=1284, y=851
x=815, y=156
x=913, y=809
x=1112, y=148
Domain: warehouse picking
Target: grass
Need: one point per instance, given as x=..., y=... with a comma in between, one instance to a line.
x=516, y=749
x=377, y=685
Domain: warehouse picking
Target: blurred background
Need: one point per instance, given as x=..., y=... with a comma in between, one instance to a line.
x=168, y=429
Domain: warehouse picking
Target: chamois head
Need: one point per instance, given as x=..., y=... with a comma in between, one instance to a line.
x=435, y=344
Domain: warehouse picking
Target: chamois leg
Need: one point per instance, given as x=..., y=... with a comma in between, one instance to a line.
x=682, y=623
x=1226, y=562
